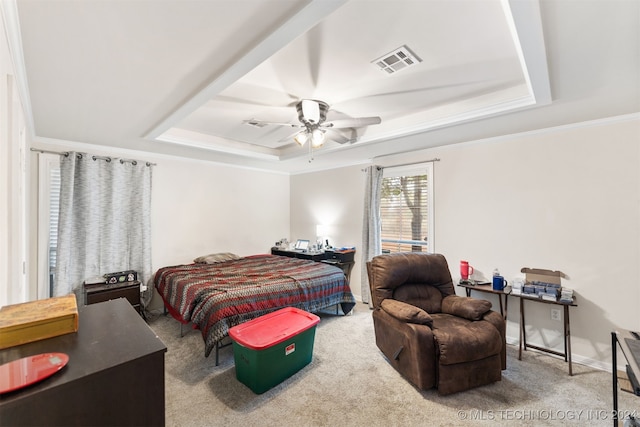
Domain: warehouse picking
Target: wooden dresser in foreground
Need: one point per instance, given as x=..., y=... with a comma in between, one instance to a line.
x=115, y=374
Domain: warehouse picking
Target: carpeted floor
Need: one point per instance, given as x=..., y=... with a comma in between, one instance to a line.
x=349, y=383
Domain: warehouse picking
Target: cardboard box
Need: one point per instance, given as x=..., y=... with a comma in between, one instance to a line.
x=541, y=283
x=37, y=320
x=271, y=348
x=533, y=275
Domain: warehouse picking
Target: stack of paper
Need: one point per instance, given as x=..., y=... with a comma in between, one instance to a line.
x=566, y=295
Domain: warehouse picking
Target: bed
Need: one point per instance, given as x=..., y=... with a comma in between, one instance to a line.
x=215, y=297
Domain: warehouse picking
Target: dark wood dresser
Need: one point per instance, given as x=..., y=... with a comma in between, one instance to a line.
x=115, y=374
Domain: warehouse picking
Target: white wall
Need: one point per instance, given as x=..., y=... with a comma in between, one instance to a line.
x=199, y=208
x=565, y=199
x=13, y=181
x=334, y=199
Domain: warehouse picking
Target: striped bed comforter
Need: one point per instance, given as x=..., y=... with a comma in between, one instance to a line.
x=216, y=297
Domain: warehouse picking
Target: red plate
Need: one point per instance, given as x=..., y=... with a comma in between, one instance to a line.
x=29, y=370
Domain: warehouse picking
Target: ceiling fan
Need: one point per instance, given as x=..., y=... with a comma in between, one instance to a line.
x=312, y=115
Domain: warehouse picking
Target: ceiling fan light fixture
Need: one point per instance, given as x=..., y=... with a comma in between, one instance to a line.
x=301, y=137
x=312, y=114
x=317, y=138
x=312, y=111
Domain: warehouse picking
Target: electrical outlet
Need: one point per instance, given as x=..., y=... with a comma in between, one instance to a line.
x=555, y=314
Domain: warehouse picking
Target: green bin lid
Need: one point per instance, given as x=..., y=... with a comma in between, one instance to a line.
x=273, y=328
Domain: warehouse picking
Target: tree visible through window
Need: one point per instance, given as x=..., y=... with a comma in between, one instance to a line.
x=405, y=210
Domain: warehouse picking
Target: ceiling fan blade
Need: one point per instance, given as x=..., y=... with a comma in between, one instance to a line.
x=337, y=136
x=355, y=122
x=418, y=91
x=422, y=89
x=237, y=100
x=301, y=59
x=254, y=94
x=261, y=123
x=314, y=46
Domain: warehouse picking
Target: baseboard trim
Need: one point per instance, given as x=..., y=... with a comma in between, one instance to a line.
x=575, y=358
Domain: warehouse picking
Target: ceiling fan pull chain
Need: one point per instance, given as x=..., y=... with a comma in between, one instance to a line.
x=310, y=152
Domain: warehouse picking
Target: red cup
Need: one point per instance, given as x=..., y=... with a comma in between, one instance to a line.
x=465, y=270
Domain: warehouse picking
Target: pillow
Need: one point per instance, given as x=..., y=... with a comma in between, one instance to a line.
x=469, y=308
x=406, y=312
x=215, y=258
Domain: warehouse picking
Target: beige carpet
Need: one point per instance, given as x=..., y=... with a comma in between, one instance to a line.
x=349, y=383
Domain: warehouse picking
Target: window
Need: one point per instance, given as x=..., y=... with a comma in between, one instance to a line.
x=49, y=203
x=406, y=209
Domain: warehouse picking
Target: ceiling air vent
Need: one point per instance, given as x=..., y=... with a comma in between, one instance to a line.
x=396, y=60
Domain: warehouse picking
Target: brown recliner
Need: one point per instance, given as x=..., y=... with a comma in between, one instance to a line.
x=433, y=337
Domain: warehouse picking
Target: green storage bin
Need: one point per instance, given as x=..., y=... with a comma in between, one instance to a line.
x=269, y=349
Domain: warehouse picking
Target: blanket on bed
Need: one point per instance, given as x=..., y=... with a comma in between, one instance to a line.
x=216, y=297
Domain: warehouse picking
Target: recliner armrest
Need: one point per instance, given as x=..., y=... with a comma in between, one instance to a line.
x=466, y=307
x=406, y=312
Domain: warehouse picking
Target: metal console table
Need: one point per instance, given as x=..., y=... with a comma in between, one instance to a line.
x=618, y=339
x=487, y=288
x=567, y=329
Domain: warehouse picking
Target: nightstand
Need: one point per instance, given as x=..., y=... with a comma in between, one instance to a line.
x=346, y=266
x=345, y=259
x=106, y=292
x=312, y=256
x=337, y=258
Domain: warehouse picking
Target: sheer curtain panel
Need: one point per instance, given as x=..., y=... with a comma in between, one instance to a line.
x=104, y=220
x=371, y=245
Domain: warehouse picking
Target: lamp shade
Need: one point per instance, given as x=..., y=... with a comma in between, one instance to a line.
x=301, y=137
x=317, y=138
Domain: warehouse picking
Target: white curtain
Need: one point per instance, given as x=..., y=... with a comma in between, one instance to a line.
x=371, y=231
x=104, y=221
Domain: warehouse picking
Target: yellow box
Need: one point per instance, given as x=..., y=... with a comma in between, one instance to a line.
x=37, y=320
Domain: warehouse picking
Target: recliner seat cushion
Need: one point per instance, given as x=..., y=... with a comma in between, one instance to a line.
x=459, y=340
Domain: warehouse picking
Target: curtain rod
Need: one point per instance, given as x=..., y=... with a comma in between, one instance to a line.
x=436, y=159
x=107, y=158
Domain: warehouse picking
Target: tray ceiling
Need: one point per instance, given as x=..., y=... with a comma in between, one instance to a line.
x=185, y=77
